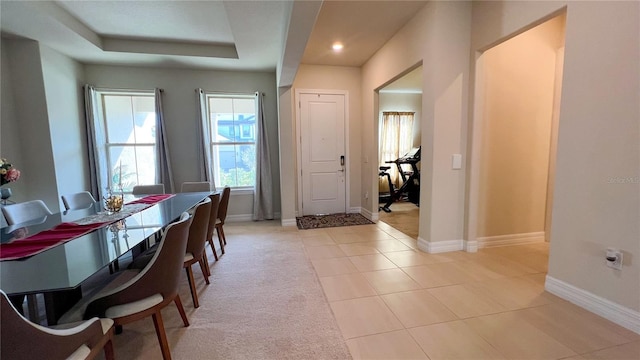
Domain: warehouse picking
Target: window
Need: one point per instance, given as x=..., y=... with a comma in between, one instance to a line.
x=127, y=121
x=395, y=140
x=232, y=122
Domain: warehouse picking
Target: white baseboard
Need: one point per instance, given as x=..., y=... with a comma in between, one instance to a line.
x=369, y=215
x=511, y=239
x=239, y=218
x=288, y=222
x=247, y=217
x=434, y=247
x=470, y=246
x=354, y=210
x=609, y=310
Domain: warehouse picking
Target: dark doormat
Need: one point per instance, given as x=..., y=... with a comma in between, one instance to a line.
x=331, y=220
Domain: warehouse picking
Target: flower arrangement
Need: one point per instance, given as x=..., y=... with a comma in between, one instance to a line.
x=7, y=172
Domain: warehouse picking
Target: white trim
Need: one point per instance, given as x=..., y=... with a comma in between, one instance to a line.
x=249, y=217
x=369, y=215
x=470, y=246
x=609, y=310
x=288, y=222
x=345, y=94
x=239, y=218
x=434, y=247
x=511, y=239
x=354, y=210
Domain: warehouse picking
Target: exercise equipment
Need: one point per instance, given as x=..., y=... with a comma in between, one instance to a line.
x=410, y=188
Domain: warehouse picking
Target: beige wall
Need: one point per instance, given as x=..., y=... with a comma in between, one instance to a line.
x=437, y=37
x=517, y=101
x=33, y=153
x=597, y=194
x=344, y=78
x=180, y=112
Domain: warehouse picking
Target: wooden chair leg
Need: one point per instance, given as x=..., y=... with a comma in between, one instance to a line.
x=213, y=249
x=221, y=234
x=108, y=350
x=183, y=314
x=192, y=286
x=203, y=267
x=221, y=244
x=207, y=265
x=162, y=336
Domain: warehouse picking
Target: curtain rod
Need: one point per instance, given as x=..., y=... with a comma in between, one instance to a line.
x=398, y=113
x=230, y=93
x=124, y=90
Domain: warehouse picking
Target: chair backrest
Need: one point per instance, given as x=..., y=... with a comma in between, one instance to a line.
x=161, y=276
x=22, y=339
x=80, y=200
x=213, y=214
x=148, y=189
x=23, y=212
x=195, y=186
x=224, y=204
x=198, y=229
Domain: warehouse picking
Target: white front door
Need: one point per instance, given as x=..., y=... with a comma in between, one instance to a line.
x=323, y=158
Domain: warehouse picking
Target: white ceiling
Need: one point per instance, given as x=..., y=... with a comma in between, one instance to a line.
x=214, y=34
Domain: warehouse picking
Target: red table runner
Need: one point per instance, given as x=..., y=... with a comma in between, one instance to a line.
x=23, y=247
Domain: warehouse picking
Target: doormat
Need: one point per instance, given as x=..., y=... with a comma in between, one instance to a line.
x=331, y=220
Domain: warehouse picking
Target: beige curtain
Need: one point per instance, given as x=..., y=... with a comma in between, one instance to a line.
x=395, y=140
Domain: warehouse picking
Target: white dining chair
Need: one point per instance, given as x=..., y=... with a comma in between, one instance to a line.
x=148, y=189
x=195, y=186
x=80, y=200
x=23, y=212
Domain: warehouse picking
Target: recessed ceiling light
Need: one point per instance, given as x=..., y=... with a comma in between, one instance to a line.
x=337, y=46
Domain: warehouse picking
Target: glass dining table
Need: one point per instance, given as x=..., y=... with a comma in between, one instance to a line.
x=60, y=271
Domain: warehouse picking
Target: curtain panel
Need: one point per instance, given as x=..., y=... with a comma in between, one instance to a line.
x=263, y=194
x=95, y=136
x=395, y=140
x=204, y=136
x=163, y=170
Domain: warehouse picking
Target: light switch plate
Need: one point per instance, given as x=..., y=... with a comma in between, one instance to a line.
x=456, y=161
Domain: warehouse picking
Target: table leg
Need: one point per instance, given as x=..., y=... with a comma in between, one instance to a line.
x=32, y=304
x=59, y=302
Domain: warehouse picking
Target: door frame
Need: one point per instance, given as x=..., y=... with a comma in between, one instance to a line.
x=475, y=143
x=298, y=144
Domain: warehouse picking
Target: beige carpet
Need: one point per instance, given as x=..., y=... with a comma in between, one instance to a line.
x=264, y=302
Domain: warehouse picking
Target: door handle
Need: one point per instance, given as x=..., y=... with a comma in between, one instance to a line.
x=341, y=160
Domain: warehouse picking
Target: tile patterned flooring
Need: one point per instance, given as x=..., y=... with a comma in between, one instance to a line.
x=392, y=301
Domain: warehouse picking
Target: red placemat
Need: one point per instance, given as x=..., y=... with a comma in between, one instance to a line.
x=24, y=246
x=44, y=240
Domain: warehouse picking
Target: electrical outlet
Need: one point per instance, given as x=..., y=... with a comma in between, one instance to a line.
x=614, y=258
x=366, y=195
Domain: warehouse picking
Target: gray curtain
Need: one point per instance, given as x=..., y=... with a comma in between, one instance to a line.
x=263, y=196
x=163, y=171
x=204, y=144
x=95, y=132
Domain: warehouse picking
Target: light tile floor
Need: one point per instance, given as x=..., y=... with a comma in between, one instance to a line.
x=392, y=301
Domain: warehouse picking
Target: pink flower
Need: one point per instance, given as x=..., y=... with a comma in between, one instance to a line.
x=12, y=175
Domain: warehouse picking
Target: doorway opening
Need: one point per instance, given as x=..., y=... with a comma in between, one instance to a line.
x=399, y=140
x=518, y=89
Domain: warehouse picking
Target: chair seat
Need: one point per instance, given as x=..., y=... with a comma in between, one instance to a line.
x=76, y=313
x=104, y=322
x=134, y=307
x=82, y=353
x=188, y=257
